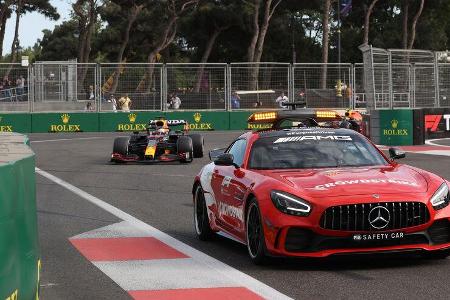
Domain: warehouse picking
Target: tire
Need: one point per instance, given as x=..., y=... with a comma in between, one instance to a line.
x=184, y=145
x=201, y=219
x=438, y=254
x=121, y=145
x=198, y=144
x=255, y=234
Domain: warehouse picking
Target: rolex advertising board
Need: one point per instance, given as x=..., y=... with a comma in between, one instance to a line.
x=126, y=121
x=396, y=127
x=64, y=122
x=15, y=123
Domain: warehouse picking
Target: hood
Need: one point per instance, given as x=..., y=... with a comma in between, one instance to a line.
x=352, y=181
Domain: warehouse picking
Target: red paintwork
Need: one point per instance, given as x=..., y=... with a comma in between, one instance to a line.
x=118, y=249
x=219, y=293
x=260, y=183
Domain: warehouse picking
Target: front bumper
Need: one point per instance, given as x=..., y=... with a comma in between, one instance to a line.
x=304, y=242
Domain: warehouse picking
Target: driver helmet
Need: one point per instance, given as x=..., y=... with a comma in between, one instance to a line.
x=160, y=130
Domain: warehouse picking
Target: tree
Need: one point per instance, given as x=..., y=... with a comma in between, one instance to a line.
x=367, y=21
x=166, y=30
x=414, y=24
x=85, y=12
x=260, y=26
x=60, y=44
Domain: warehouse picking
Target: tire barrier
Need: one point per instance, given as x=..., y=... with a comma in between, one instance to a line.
x=19, y=247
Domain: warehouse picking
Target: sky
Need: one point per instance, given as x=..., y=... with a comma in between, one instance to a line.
x=32, y=24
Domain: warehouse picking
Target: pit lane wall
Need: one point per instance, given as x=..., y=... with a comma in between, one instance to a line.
x=19, y=248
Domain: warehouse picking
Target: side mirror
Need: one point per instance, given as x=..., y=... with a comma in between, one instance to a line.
x=215, y=153
x=396, y=153
x=225, y=159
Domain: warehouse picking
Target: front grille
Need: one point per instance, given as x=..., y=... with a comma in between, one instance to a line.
x=355, y=217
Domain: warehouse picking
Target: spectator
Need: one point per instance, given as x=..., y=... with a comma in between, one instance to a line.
x=7, y=87
x=113, y=102
x=90, y=95
x=125, y=103
x=235, y=100
x=175, y=102
x=281, y=100
x=89, y=106
x=20, y=86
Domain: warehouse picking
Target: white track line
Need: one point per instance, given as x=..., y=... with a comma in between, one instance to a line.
x=74, y=139
x=432, y=142
x=200, y=257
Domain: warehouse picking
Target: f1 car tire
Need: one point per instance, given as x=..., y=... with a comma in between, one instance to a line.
x=197, y=144
x=255, y=235
x=121, y=145
x=438, y=254
x=201, y=220
x=184, y=146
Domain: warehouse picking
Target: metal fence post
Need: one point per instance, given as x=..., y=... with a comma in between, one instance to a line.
x=390, y=81
x=436, y=82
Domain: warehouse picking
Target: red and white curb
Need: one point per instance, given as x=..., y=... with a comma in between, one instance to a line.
x=149, y=264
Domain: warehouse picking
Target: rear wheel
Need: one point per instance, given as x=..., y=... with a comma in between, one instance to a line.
x=197, y=144
x=184, y=147
x=255, y=234
x=201, y=220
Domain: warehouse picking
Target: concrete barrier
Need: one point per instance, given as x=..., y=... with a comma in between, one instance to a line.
x=19, y=247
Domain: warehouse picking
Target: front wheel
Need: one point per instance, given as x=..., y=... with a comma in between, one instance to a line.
x=255, y=234
x=185, y=149
x=201, y=220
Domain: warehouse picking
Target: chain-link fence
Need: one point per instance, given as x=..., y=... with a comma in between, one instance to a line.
x=67, y=86
x=14, y=91
x=195, y=87
x=386, y=79
x=141, y=83
x=259, y=85
x=324, y=85
x=397, y=78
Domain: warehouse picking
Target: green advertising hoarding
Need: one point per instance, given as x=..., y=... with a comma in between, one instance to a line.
x=202, y=120
x=126, y=121
x=64, y=122
x=396, y=127
x=15, y=123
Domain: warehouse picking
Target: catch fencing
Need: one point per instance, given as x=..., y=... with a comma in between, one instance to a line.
x=386, y=79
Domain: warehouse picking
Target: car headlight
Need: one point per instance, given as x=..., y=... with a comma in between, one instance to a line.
x=441, y=197
x=290, y=204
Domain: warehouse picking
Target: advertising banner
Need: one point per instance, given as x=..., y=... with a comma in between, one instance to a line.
x=437, y=122
x=15, y=123
x=124, y=122
x=202, y=120
x=396, y=127
x=64, y=122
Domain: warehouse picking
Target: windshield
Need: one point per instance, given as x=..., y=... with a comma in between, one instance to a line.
x=304, y=150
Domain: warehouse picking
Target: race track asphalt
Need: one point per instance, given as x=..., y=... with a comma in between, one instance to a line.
x=160, y=195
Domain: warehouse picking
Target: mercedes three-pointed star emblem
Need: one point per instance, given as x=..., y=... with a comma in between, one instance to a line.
x=379, y=217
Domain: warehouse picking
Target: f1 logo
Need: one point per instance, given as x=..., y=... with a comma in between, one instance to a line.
x=432, y=122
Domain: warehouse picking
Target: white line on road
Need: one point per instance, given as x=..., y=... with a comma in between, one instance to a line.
x=200, y=257
x=74, y=139
x=432, y=142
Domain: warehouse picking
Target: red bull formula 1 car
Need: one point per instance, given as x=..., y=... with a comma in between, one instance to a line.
x=308, y=191
x=160, y=143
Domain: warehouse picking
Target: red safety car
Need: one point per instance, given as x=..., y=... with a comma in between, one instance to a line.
x=298, y=190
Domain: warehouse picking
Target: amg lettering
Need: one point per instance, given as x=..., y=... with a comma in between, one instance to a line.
x=313, y=138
